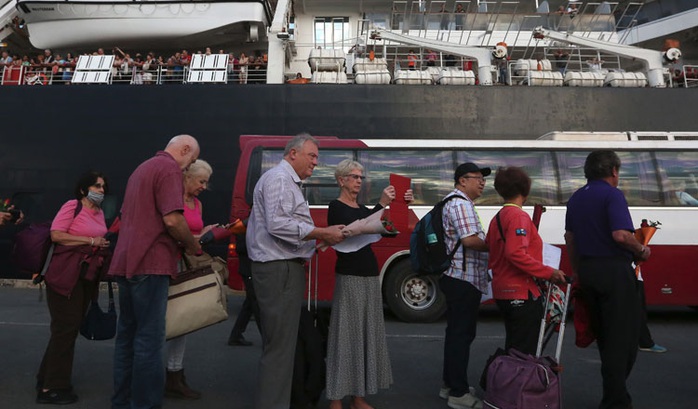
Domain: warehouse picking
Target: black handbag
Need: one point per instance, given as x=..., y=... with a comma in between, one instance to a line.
x=97, y=324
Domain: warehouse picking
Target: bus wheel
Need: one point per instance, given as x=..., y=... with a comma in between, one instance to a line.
x=411, y=297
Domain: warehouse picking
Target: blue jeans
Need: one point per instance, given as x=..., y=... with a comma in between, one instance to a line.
x=462, y=303
x=139, y=370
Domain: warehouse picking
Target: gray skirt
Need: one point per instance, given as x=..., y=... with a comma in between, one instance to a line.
x=357, y=353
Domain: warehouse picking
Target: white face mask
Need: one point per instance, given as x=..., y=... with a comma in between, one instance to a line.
x=94, y=197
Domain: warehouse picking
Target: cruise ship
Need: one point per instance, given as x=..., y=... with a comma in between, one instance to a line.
x=381, y=69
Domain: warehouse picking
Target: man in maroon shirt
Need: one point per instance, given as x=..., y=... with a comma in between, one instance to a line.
x=151, y=233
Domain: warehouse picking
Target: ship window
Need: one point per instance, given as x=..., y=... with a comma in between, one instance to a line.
x=332, y=33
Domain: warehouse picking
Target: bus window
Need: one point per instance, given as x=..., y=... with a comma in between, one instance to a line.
x=431, y=173
x=638, y=179
x=321, y=188
x=538, y=165
x=678, y=176
x=571, y=168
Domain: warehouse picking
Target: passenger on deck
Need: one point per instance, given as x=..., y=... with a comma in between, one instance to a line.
x=594, y=64
x=5, y=59
x=175, y=70
x=431, y=58
x=459, y=16
x=572, y=10
x=411, y=61
x=445, y=18
x=243, y=61
x=561, y=58
x=48, y=57
x=150, y=69
x=68, y=68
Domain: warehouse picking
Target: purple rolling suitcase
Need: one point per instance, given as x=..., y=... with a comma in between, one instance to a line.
x=520, y=381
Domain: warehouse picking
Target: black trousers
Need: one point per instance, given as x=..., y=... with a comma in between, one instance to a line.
x=56, y=367
x=462, y=304
x=646, y=340
x=610, y=287
x=522, y=323
x=249, y=308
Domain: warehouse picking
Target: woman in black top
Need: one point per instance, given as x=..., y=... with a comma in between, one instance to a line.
x=357, y=354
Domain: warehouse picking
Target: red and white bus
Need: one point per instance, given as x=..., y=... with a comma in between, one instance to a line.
x=653, y=175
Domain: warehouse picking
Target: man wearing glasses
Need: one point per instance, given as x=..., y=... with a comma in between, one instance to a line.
x=463, y=283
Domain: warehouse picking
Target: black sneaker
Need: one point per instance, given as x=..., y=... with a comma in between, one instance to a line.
x=56, y=397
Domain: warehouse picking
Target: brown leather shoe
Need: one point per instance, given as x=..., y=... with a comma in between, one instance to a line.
x=176, y=386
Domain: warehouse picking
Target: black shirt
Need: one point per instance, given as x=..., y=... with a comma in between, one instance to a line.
x=358, y=263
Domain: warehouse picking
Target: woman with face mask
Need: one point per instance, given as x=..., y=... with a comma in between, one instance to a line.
x=80, y=258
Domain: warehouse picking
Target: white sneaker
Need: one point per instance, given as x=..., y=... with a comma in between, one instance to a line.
x=467, y=401
x=445, y=390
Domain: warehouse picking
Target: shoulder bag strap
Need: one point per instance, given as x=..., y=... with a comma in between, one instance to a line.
x=458, y=242
x=499, y=226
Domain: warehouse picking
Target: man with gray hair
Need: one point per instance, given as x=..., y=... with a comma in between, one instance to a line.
x=280, y=239
x=601, y=247
x=151, y=232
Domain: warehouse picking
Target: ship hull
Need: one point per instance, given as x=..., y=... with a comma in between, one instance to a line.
x=55, y=133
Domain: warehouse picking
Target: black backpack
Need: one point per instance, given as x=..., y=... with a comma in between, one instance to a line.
x=428, y=251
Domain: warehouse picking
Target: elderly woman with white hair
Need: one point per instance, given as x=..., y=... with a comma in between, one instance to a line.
x=196, y=179
x=357, y=353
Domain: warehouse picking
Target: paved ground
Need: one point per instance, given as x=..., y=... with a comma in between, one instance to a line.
x=226, y=375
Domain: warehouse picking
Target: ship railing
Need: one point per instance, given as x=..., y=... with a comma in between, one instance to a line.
x=36, y=74
x=690, y=76
x=484, y=23
x=253, y=73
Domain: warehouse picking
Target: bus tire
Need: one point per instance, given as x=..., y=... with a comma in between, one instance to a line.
x=412, y=297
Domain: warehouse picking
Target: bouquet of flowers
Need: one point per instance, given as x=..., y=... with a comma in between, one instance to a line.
x=221, y=232
x=5, y=205
x=362, y=232
x=644, y=234
x=377, y=223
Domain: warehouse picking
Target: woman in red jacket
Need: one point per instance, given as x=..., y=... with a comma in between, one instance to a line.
x=516, y=254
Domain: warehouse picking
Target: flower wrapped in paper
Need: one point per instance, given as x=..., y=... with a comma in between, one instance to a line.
x=363, y=232
x=644, y=235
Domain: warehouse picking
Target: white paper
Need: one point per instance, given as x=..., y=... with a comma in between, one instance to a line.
x=354, y=243
x=551, y=256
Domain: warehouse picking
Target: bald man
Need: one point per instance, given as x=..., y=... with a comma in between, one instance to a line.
x=152, y=230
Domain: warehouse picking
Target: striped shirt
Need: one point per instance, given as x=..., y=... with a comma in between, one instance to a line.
x=460, y=219
x=280, y=218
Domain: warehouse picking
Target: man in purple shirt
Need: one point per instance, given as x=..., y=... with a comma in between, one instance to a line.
x=601, y=247
x=151, y=233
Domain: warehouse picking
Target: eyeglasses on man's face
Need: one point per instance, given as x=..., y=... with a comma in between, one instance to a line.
x=480, y=179
x=355, y=176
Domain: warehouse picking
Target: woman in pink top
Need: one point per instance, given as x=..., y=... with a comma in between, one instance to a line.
x=516, y=254
x=80, y=256
x=195, y=181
